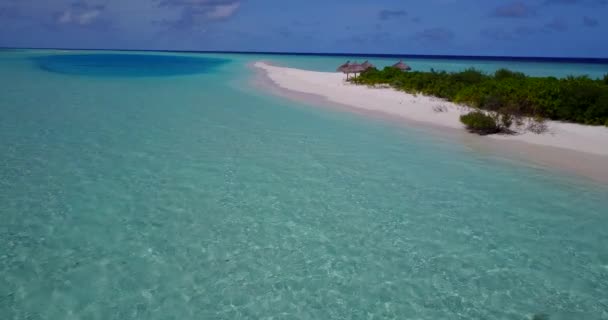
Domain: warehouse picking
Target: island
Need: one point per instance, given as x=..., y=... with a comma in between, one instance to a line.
x=577, y=148
x=373, y=92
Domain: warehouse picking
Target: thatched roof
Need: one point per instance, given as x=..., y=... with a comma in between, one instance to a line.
x=356, y=68
x=402, y=66
x=366, y=65
x=344, y=67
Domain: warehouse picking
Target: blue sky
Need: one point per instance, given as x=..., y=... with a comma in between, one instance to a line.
x=563, y=28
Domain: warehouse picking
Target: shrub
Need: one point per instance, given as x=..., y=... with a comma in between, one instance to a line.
x=538, y=126
x=469, y=76
x=575, y=99
x=480, y=123
x=598, y=113
x=440, y=108
x=492, y=102
x=506, y=121
x=501, y=74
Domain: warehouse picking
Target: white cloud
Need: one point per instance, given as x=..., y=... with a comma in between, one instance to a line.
x=223, y=11
x=196, y=13
x=88, y=17
x=65, y=17
x=79, y=13
x=81, y=18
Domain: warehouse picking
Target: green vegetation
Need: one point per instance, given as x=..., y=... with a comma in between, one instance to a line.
x=480, y=123
x=484, y=123
x=512, y=94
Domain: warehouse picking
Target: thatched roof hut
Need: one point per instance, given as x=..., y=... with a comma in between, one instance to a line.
x=356, y=68
x=402, y=66
x=366, y=65
x=344, y=67
x=349, y=68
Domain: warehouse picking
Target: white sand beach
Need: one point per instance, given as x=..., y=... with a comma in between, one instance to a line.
x=578, y=148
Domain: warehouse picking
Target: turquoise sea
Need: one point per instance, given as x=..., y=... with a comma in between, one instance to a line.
x=165, y=186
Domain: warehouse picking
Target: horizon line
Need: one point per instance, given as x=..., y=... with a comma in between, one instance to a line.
x=599, y=60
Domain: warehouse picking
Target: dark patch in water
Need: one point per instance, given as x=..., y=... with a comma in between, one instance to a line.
x=126, y=65
x=10, y=50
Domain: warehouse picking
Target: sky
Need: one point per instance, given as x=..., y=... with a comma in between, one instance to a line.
x=549, y=28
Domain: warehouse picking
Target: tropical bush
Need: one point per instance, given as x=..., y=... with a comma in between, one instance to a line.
x=506, y=74
x=573, y=99
x=506, y=121
x=479, y=122
x=537, y=125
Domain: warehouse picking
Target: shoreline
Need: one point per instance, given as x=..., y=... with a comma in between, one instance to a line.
x=572, y=148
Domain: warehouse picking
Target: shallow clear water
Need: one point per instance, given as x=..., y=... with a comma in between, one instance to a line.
x=194, y=197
